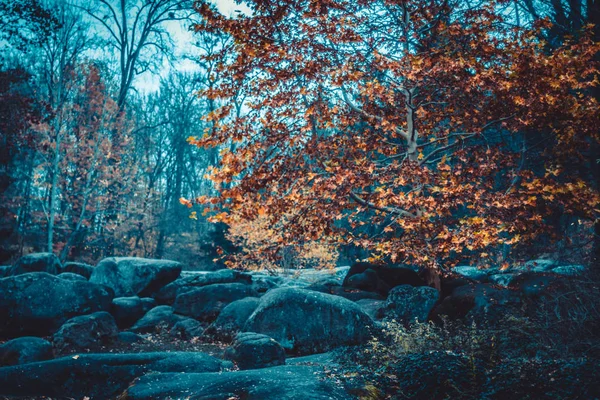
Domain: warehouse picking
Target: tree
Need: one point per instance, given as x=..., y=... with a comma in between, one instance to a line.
x=136, y=31
x=391, y=125
x=25, y=22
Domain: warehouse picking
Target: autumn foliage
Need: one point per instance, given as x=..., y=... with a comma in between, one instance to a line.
x=402, y=127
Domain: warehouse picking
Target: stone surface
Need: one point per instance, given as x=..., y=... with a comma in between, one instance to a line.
x=82, y=269
x=128, y=310
x=232, y=318
x=481, y=301
x=474, y=273
x=81, y=333
x=346, y=292
x=570, y=270
x=275, y=383
x=167, y=294
x=254, y=350
x=389, y=277
x=38, y=303
x=71, y=276
x=503, y=279
x=157, y=319
x=25, y=350
x=374, y=308
x=97, y=376
x=367, y=280
x=308, y=322
x=36, y=262
x=263, y=283
x=187, y=328
x=538, y=265
x=205, y=303
x=409, y=303
x=130, y=276
x=129, y=337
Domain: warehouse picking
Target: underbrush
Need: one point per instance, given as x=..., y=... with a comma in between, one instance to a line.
x=547, y=348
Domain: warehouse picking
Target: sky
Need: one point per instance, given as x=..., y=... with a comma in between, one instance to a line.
x=182, y=37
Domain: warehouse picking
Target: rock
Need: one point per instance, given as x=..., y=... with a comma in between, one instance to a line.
x=253, y=350
x=157, y=319
x=82, y=269
x=25, y=350
x=408, y=303
x=532, y=284
x=275, y=383
x=38, y=303
x=308, y=322
x=232, y=318
x=264, y=283
x=128, y=310
x=367, y=280
x=374, y=308
x=97, y=376
x=129, y=337
x=4, y=270
x=481, y=302
x=346, y=292
x=389, y=277
x=130, y=276
x=36, y=262
x=187, y=328
x=570, y=270
x=71, y=277
x=451, y=282
x=539, y=265
x=81, y=333
x=205, y=303
x=167, y=294
x=503, y=279
x=474, y=273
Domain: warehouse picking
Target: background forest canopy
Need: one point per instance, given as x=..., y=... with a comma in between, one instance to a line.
x=300, y=133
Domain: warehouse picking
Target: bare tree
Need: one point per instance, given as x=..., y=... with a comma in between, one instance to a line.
x=136, y=30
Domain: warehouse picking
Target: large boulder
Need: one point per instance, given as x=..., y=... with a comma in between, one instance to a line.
x=157, y=319
x=232, y=318
x=254, y=350
x=82, y=269
x=206, y=303
x=388, y=277
x=38, y=303
x=167, y=294
x=36, y=262
x=98, y=376
x=25, y=350
x=128, y=310
x=308, y=322
x=275, y=383
x=85, y=331
x=130, y=276
x=408, y=303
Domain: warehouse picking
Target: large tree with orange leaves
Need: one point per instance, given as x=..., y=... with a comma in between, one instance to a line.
x=398, y=126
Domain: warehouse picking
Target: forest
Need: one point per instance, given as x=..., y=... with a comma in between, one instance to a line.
x=370, y=199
